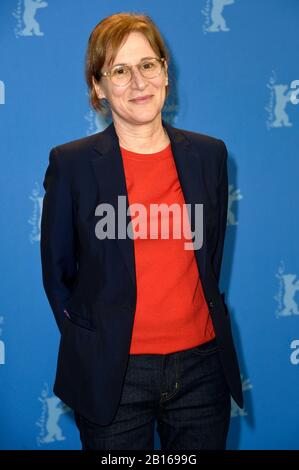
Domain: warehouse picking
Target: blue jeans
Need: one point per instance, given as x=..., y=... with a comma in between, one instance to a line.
x=184, y=392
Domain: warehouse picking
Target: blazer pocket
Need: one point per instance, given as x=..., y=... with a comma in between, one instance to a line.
x=78, y=320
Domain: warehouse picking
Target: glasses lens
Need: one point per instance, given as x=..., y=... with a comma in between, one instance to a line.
x=150, y=68
x=120, y=75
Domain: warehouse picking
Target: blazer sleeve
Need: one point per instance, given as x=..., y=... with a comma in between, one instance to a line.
x=58, y=254
x=223, y=205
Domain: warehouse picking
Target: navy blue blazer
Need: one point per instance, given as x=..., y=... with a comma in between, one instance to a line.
x=91, y=283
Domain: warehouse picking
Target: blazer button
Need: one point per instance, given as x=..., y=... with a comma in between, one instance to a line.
x=211, y=304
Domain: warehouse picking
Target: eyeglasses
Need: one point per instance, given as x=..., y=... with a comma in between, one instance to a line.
x=121, y=75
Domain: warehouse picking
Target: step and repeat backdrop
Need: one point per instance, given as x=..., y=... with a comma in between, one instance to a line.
x=234, y=74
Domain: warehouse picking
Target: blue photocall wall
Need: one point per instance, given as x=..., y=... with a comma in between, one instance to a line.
x=234, y=75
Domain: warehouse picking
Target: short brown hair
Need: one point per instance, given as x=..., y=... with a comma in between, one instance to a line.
x=110, y=34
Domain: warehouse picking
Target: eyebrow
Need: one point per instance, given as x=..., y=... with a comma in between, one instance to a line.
x=143, y=58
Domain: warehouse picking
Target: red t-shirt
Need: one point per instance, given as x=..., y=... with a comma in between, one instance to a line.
x=171, y=311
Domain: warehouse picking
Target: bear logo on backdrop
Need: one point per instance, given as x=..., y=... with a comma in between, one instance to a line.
x=25, y=12
x=35, y=219
x=2, y=344
x=96, y=122
x=171, y=108
x=281, y=95
x=233, y=195
x=52, y=409
x=287, y=289
x=213, y=12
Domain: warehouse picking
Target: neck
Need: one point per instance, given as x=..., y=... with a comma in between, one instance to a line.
x=144, y=138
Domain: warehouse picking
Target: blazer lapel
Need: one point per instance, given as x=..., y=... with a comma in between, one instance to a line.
x=110, y=175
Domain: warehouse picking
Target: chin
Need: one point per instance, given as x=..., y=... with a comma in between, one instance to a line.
x=145, y=117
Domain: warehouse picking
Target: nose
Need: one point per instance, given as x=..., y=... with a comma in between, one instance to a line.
x=138, y=80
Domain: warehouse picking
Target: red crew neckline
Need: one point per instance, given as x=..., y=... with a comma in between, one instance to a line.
x=164, y=153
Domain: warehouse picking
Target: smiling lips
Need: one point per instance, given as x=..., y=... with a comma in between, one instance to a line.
x=141, y=99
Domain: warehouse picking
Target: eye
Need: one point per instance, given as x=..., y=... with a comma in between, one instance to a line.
x=120, y=71
x=148, y=65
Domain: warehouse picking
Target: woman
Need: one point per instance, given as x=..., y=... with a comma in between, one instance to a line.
x=145, y=332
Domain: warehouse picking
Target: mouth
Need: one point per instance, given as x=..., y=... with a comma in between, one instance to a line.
x=142, y=99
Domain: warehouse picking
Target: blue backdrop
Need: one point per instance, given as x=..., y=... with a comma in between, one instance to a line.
x=233, y=76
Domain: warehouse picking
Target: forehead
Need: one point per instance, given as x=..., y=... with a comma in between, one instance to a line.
x=133, y=49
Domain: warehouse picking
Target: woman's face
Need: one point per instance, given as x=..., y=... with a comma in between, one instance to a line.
x=121, y=98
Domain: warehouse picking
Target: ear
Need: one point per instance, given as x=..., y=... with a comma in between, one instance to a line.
x=99, y=91
x=166, y=72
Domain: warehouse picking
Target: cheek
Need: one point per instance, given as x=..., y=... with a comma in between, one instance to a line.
x=119, y=92
x=115, y=93
x=162, y=92
x=160, y=85
x=120, y=95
